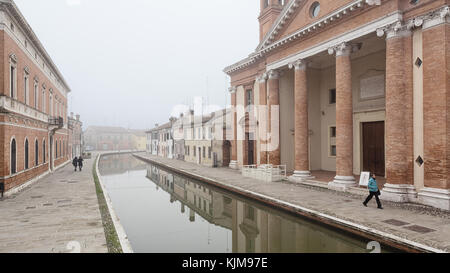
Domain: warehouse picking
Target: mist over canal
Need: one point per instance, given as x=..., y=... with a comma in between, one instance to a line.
x=163, y=212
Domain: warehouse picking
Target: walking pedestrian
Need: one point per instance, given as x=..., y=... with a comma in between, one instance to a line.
x=80, y=163
x=75, y=163
x=373, y=191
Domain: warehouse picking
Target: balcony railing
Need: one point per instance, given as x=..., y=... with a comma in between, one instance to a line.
x=56, y=121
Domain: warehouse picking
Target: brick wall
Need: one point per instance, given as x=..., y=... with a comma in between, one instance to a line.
x=436, y=106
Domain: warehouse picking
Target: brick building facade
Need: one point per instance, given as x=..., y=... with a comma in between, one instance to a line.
x=33, y=104
x=350, y=86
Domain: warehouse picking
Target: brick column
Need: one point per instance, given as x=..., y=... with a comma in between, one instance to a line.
x=234, y=157
x=262, y=118
x=399, y=186
x=274, y=118
x=301, y=123
x=344, y=118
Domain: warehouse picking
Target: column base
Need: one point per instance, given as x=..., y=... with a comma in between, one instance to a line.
x=342, y=183
x=234, y=165
x=300, y=176
x=402, y=193
x=437, y=198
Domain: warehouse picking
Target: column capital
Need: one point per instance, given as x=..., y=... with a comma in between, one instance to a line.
x=298, y=65
x=398, y=29
x=344, y=49
x=232, y=89
x=274, y=74
x=262, y=78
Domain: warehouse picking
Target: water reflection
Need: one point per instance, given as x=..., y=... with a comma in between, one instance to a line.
x=251, y=226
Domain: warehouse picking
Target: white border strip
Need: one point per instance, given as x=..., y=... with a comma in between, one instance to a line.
x=123, y=238
x=315, y=213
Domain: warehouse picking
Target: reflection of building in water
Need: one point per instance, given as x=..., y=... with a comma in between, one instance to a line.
x=117, y=164
x=199, y=199
x=255, y=228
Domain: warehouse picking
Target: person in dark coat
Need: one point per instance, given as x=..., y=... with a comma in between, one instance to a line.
x=80, y=163
x=75, y=163
x=373, y=191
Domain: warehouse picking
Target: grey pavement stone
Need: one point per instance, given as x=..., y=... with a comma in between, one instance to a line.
x=59, y=211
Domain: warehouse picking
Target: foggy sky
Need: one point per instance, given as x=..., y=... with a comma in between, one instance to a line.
x=130, y=62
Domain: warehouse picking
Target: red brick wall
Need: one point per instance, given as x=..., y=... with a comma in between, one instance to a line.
x=10, y=46
x=436, y=106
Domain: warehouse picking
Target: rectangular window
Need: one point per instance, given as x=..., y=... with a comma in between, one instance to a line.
x=13, y=82
x=195, y=151
x=209, y=152
x=333, y=150
x=249, y=97
x=332, y=141
x=204, y=152
x=36, y=95
x=26, y=89
x=332, y=96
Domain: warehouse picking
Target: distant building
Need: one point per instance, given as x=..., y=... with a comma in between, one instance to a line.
x=75, y=136
x=102, y=138
x=33, y=104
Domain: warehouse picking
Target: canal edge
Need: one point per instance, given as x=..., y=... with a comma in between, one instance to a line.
x=358, y=229
x=121, y=234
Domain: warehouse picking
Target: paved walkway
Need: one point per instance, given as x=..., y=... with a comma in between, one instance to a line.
x=57, y=213
x=414, y=224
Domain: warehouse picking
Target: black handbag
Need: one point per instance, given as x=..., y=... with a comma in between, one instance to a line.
x=378, y=193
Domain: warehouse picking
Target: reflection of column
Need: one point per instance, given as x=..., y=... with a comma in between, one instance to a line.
x=274, y=232
x=274, y=118
x=234, y=227
x=191, y=215
x=263, y=122
x=264, y=232
x=344, y=118
x=233, y=162
x=398, y=44
x=301, y=123
x=183, y=208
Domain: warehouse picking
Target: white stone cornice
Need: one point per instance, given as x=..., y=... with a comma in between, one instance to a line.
x=274, y=74
x=232, y=89
x=397, y=29
x=262, y=78
x=437, y=17
x=344, y=49
x=298, y=65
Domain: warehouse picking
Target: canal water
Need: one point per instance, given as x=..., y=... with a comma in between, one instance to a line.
x=163, y=212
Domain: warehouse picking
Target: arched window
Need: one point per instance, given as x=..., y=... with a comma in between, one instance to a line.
x=26, y=154
x=43, y=151
x=60, y=148
x=36, y=153
x=56, y=149
x=13, y=157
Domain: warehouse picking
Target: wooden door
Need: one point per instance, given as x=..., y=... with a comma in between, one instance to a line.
x=373, y=148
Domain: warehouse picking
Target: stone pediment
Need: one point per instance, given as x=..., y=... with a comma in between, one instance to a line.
x=297, y=18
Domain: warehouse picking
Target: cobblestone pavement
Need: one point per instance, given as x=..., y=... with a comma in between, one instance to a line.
x=59, y=213
x=418, y=224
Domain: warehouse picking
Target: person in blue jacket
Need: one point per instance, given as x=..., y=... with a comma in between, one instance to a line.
x=373, y=191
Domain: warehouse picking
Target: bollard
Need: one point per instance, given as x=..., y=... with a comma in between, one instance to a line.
x=2, y=188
